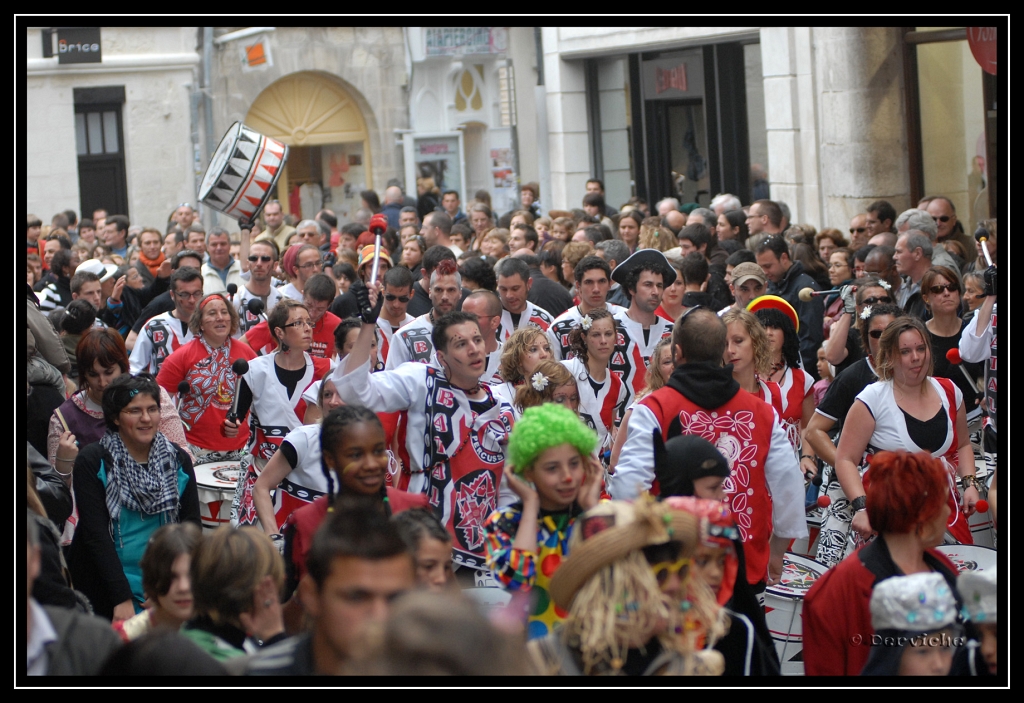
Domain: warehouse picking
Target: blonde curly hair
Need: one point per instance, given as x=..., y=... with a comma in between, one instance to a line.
x=758, y=338
x=515, y=349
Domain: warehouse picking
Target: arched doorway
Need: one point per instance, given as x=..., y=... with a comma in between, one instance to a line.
x=330, y=161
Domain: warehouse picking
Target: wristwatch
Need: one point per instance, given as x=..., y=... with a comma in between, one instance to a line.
x=859, y=503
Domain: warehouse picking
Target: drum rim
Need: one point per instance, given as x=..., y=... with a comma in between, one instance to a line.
x=233, y=131
x=791, y=596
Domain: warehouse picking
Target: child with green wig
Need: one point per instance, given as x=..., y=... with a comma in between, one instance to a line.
x=550, y=465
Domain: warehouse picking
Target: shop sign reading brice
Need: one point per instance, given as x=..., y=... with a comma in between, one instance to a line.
x=73, y=44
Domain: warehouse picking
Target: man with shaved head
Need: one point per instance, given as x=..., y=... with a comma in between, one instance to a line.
x=393, y=203
x=765, y=475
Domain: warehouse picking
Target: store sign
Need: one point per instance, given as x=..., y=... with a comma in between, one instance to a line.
x=464, y=41
x=681, y=76
x=256, y=56
x=73, y=44
x=982, y=41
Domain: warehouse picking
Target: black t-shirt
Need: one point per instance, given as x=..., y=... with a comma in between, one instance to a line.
x=944, y=369
x=930, y=435
x=854, y=351
x=844, y=390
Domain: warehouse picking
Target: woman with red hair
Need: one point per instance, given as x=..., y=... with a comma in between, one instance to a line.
x=907, y=504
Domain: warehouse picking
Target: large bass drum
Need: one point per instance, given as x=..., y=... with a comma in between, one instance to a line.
x=242, y=173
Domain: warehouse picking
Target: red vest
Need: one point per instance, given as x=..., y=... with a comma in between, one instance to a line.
x=741, y=430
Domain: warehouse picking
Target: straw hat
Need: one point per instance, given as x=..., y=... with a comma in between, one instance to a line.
x=612, y=530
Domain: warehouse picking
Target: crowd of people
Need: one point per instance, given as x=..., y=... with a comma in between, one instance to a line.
x=586, y=442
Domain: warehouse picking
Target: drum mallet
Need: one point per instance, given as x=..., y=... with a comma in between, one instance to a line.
x=806, y=294
x=953, y=357
x=981, y=234
x=240, y=367
x=378, y=225
x=255, y=307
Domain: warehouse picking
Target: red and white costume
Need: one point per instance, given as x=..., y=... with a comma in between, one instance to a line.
x=411, y=343
x=632, y=354
x=385, y=332
x=602, y=411
x=891, y=435
x=787, y=398
x=561, y=326
x=273, y=415
x=456, y=451
x=765, y=490
x=211, y=391
x=246, y=320
x=531, y=315
x=159, y=338
x=306, y=481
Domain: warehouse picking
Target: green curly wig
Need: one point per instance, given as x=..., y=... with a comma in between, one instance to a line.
x=543, y=427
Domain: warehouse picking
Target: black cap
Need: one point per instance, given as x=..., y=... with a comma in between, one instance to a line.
x=645, y=257
x=683, y=459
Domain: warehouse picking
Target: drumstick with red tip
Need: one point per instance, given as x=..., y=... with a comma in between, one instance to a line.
x=953, y=357
x=378, y=225
x=806, y=294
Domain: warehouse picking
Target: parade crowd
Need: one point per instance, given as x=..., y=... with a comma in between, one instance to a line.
x=664, y=439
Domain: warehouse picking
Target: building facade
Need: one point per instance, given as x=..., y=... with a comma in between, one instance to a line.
x=825, y=119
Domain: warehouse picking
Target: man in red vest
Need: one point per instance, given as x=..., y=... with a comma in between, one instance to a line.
x=765, y=489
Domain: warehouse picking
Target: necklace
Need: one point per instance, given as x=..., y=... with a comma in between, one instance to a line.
x=776, y=368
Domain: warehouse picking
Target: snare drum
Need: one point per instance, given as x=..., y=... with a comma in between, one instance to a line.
x=808, y=547
x=969, y=557
x=216, y=482
x=242, y=173
x=783, y=606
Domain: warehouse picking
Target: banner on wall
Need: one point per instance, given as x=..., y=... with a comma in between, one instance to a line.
x=466, y=41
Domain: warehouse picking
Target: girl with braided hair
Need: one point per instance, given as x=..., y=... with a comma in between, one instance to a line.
x=602, y=393
x=556, y=479
x=354, y=461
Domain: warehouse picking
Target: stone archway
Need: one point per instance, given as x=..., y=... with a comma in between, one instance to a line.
x=321, y=121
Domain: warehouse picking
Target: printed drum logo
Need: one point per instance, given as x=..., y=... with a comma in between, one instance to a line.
x=227, y=475
x=486, y=442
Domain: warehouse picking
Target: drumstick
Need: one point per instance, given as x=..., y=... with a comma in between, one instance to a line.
x=60, y=416
x=378, y=224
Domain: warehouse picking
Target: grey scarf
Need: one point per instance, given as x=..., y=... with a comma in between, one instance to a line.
x=152, y=489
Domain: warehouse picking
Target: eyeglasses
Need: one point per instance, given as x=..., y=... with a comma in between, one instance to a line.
x=951, y=287
x=188, y=296
x=665, y=569
x=314, y=264
x=834, y=265
x=400, y=298
x=300, y=323
x=943, y=218
x=188, y=205
x=872, y=300
x=264, y=259
x=858, y=230
x=876, y=334
x=137, y=412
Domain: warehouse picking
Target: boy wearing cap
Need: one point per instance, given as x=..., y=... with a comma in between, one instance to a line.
x=748, y=283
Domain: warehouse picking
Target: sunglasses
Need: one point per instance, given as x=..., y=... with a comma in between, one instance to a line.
x=858, y=230
x=664, y=569
x=951, y=287
x=264, y=259
x=876, y=334
x=400, y=298
x=872, y=300
x=943, y=218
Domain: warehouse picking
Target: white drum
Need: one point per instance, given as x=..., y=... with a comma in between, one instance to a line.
x=969, y=557
x=216, y=482
x=783, y=606
x=242, y=173
x=808, y=547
